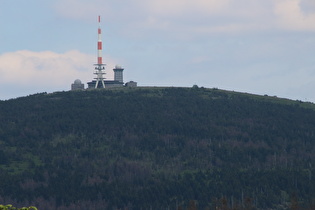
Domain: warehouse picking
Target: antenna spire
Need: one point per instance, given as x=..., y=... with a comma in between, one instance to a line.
x=99, y=43
x=100, y=69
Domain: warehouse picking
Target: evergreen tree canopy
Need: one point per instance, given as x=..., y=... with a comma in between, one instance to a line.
x=156, y=148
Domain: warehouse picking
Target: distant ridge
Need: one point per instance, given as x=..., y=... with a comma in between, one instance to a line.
x=156, y=147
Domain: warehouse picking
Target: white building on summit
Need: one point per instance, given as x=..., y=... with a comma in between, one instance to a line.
x=77, y=85
x=118, y=73
x=117, y=82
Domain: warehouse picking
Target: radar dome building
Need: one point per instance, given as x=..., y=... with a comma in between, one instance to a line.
x=77, y=85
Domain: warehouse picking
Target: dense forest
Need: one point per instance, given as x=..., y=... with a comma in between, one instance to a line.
x=157, y=148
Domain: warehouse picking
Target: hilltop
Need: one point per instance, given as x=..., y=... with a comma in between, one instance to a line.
x=156, y=148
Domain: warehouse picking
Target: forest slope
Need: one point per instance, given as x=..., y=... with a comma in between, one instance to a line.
x=155, y=147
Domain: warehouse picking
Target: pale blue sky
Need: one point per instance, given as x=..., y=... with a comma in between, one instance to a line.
x=254, y=46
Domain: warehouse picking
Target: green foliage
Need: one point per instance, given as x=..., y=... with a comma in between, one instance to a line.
x=155, y=148
x=10, y=207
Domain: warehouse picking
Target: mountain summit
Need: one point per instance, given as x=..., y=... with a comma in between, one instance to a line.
x=142, y=148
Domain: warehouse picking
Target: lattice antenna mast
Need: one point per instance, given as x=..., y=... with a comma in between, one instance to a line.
x=100, y=67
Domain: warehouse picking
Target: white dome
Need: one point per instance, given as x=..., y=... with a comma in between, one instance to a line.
x=118, y=67
x=77, y=82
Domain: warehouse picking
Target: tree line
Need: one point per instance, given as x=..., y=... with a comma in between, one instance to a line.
x=155, y=148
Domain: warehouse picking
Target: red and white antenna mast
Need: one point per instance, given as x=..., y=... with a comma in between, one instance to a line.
x=100, y=67
x=99, y=43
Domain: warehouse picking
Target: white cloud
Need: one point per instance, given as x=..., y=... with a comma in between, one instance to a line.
x=43, y=68
x=292, y=14
x=197, y=16
x=80, y=9
x=46, y=70
x=186, y=7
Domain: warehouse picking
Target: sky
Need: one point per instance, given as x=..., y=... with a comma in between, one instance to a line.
x=264, y=47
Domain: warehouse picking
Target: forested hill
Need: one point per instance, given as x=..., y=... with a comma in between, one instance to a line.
x=157, y=148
